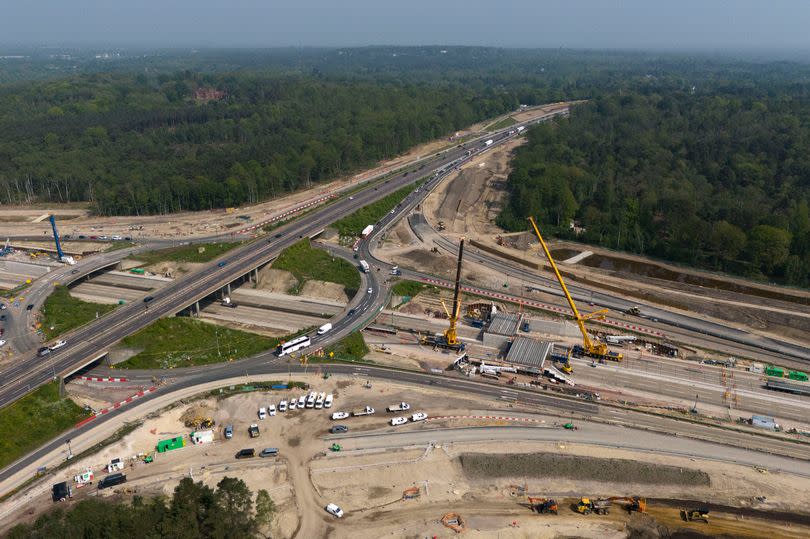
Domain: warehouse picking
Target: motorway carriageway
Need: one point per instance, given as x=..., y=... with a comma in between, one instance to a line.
x=94, y=339
x=265, y=366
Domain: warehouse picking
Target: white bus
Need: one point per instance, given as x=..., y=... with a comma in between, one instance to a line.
x=293, y=345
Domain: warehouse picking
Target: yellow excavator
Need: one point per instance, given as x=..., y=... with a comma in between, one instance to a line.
x=589, y=348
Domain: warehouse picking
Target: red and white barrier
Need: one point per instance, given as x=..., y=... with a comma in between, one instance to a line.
x=100, y=379
x=287, y=213
x=489, y=417
x=115, y=406
x=538, y=305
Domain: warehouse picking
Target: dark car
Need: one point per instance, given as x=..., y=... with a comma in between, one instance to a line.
x=44, y=351
x=147, y=299
x=61, y=491
x=246, y=453
x=30, y=306
x=279, y=235
x=351, y=312
x=81, y=237
x=112, y=480
x=74, y=272
x=221, y=264
x=2, y=317
x=337, y=429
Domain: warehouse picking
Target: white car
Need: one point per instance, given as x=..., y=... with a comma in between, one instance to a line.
x=57, y=345
x=327, y=403
x=2, y=342
x=333, y=509
x=370, y=290
x=282, y=406
x=302, y=401
x=272, y=409
x=419, y=416
x=398, y=421
x=340, y=415
x=262, y=413
x=293, y=403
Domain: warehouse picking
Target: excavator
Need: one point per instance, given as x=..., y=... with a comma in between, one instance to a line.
x=589, y=348
x=690, y=515
x=631, y=504
x=449, y=340
x=543, y=505
x=601, y=506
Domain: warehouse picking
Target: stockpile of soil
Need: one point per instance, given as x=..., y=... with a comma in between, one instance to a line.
x=540, y=465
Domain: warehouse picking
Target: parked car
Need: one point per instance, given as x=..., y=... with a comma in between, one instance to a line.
x=293, y=403
x=272, y=409
x=2, y=342
x=419, y=416
x=302, y=401
x=147, y=299
x=339, y=429
x=229, y=432
x=333, y=509
x=282, y=406
x=398, y=421
x=44, y=351
x=340, y=415
x=262, y=413
x=29, y=307
x=246, y=453
x=269, y=452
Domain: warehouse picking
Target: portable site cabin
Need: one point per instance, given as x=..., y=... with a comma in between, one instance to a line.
x=170, y=444
x=202, y=437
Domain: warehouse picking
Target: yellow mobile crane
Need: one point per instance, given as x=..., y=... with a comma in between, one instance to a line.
x=588, y=348
x=450, y=339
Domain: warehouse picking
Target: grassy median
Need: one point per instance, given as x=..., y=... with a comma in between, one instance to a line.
x=187, y=342
x=350, y=348
x=62, y=312
x=35, y=419
x=199, y=253
x=353, y=225
x=306, y=264
x=501, y=124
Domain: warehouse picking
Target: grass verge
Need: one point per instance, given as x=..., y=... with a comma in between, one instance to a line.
x=62, y=312
x=186, y=342
x=306, y=263
x=350, y=348
x=353, y=225
x=409, y=288
x=186, y=253
x=35, y=419
x=501, y=124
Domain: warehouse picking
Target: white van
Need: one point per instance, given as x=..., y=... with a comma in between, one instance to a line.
x=324, y=328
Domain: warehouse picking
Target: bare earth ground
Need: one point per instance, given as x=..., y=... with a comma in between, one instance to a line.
x=369, y=484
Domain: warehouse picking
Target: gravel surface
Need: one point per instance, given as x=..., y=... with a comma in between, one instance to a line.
x=483, y=466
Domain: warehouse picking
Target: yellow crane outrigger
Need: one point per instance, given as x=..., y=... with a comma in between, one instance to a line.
x=589, y=348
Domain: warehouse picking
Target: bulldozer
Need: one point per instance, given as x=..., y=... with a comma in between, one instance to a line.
x=543, y=505
x=599, y=506
x=691, y=515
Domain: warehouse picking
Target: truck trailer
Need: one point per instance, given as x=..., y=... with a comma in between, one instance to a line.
x=364, y=266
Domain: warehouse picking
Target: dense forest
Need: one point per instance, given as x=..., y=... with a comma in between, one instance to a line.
x=137, y=132
x=718, y=179
x=194, y=510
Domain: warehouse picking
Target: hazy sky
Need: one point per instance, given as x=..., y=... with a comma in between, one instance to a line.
x=679, y=24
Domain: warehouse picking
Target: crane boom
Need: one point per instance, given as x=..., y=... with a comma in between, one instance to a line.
x=591, y=348
x=450, y=335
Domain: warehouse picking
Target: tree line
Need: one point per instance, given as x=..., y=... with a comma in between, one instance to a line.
x=193, y=511
x=717, y=178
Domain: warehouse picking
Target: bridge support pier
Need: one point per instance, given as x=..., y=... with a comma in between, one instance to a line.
x=197, y=308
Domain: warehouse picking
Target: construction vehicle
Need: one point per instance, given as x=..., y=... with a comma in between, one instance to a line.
x=589, y=348
x=335, y=447
x=691, y=515
x=600, y=506
x=562, y=361
x=449, y=340
x=62, y=257
x=634, y=310
x=543, y=505
x=633, y=503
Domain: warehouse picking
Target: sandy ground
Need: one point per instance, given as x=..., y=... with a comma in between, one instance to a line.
x=368, y=484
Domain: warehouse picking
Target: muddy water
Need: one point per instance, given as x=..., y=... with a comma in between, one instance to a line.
x=633, y=267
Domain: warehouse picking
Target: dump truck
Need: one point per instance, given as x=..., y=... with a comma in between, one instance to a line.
x=543, y=505
x=599, y=506
x=368, y=410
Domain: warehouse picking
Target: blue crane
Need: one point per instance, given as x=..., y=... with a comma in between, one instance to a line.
x=59, y=252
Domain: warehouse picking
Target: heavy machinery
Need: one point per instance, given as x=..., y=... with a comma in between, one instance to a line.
x=62, y=257
x=589, y=348
x=449, y=340
x=631, y=504
x=543, y=505
x=600, y=506
x=690, y=515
